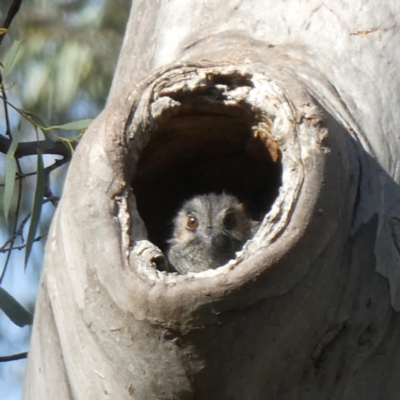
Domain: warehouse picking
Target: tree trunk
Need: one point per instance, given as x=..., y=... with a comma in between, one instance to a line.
x=291, y=106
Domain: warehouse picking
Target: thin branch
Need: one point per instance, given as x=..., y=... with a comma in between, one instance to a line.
x=16, y=234
x=12, y=12
x=21, y=247
x=57, y=164
x=4, y=95
x=14, y=357
x=30, y=148
x=50, y=196
x=20, y=230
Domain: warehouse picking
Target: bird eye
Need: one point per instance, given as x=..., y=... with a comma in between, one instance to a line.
x=192, y=222
x=229, y=220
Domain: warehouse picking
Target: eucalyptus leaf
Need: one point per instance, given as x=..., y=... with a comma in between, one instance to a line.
x=40, y=189
x=75, y=125
x=41, y=124
x=11, y=169
x=72, y=66
x=10, y=58
x=14, y=310
x=34, y=119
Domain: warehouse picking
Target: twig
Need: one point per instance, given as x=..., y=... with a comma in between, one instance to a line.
x=14, y=357
x=30, y=148
x=50, y=168
x=19, y=232
x=22, y=246
x=12, y=12
x=50, y=196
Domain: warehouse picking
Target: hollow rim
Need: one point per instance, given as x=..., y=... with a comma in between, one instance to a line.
x=269, y=264
x=267, y=101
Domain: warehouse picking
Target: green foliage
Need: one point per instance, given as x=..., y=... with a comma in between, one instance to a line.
x=11, y=170
x=69, y=51
x=40, y=189
x=42, y=176
x=82, y=124
x=50, y=136
x=10, y=59
x=56, y=60
x=14, y=310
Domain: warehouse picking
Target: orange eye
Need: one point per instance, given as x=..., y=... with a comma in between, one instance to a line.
x=192, y=222
x=229, y=220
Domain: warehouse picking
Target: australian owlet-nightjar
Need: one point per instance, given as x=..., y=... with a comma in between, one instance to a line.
x=208, y=231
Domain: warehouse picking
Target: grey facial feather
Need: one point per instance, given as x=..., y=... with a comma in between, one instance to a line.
x=223, y=226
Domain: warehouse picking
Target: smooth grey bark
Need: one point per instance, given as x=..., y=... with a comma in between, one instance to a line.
x=306, y=91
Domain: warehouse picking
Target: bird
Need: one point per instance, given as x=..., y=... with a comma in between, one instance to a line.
x=207, y=232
